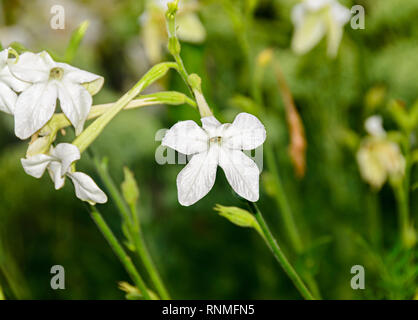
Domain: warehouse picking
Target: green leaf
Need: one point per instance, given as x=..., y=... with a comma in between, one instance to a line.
x=239, y=217
x=76, y=38
x=130, y=188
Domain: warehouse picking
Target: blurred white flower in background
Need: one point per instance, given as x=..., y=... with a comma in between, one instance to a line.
x=314, y=19
x=379, y=158
x=217, y=144
x=58, y=163
x=33, y=25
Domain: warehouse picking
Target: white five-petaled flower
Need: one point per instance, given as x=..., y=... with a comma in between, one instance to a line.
x=58, y=163
x=9, y=85
x=315, y=18
x=217, y=144
x=50, y=81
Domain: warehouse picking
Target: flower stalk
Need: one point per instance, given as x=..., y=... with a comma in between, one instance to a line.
x=120, y=252
x=192, y=81
x=129, y=216
x=278, y=253
x=174, y=46
x=402, y=189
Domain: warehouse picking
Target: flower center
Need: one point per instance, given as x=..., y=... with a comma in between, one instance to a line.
x=217, y=140
x=56, y=73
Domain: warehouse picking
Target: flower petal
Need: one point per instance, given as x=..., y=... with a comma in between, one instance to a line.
x=35, y=166
x=190, y=29
x=6, y=77
x=308, y=31
x=54, y=170
x=13, y=82
x=86, y=189
x=186, y=137
x=7, y=99
x=315, y=5
x=34, y=107
x=66, y=153
x=4, y=55
x=245, y=133
x=10, y=80
x=153, y=38
x=338, y=17
x=374, y=126
x=210, y=124
x=198, y=177
x=75, y=102
x=298, y=14
x=32, y=67
x=74, y=75
x=241, y=172
x=340, y=13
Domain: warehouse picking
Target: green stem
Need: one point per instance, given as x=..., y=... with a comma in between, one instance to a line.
x=145, y=256
x=402, y=193
x=375, y=223
x=282, y=202
x=403, y=212
x=278, y=253
x=130, y=216
x=174, y=46
x=101, y=167
x=120, y=253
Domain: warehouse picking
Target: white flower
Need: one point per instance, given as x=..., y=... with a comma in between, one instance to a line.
x=50, y=81
x=9, y=85
x=58, y=163
x=217, y=144
x=313, y=19
x=379, y=158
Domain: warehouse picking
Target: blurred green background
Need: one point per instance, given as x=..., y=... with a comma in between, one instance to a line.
x=199, y=254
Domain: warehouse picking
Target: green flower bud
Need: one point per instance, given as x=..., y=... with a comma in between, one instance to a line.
x=133, y=293
x=239, y=217
x=130, y=188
